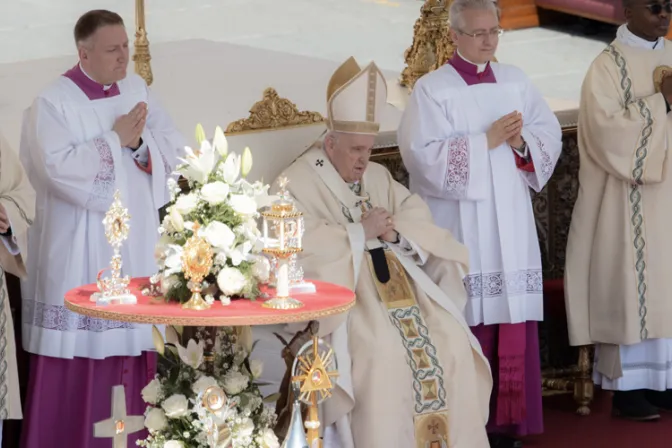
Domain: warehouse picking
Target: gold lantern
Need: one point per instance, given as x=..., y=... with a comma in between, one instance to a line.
x=282, y=232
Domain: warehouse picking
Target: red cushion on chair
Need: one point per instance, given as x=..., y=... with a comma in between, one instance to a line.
x=554, y=298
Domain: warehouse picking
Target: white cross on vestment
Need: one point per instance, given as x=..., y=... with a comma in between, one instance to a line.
x=120, y=425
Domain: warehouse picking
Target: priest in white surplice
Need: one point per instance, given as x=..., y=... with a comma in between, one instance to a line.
x=411, y=372
x=475, y=137
x=619, y=252
x=94, y=130
x=17, y=211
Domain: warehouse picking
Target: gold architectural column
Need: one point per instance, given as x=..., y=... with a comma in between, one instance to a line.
x=432, y=45
x=141, y=56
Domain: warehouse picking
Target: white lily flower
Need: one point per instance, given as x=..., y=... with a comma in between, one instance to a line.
x=246, y=162
x=193, y=354
x=200, y=133
x=240, y=253
x=171, y=335
x=173, y=260
x=231, y=169
x=220, y=143
x=198, y=165
x=176, y=219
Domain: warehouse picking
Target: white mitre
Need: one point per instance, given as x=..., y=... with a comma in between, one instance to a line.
x=356, y=98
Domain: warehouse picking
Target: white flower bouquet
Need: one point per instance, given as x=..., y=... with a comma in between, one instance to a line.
x=177, y=415
x=224, y=204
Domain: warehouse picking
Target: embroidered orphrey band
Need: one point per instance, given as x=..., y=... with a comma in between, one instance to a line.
x=635, y=194
x=431, y=411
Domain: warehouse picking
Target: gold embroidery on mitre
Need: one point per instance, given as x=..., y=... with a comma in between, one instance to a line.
x=359, y=116
x=431, y=430
x=659, y=74
x=371, y=97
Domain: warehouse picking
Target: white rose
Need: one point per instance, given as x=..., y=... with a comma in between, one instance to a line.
x=246, y=428
x=242, y=204
x=168, y=282
x=269, y=440
x=151, y=392
x=235, y=382
x=231, y=281
x=166, y=225
x=155, y=420
x=219, y=235
x=203, y=383
x=256, y=367
x=215, y=192
x=261, y=269
x=176, y=406
x=173, y=444
x=186, y=203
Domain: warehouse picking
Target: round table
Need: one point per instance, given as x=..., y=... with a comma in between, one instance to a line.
x=327, y=300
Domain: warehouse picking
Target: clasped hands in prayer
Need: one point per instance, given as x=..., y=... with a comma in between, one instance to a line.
x=129, y=127
x=378, y=223
x=506, y=129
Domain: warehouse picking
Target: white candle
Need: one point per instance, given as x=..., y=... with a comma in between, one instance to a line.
x=299, y=232
x=282, y=281
x=282, y=235
x=265, y=233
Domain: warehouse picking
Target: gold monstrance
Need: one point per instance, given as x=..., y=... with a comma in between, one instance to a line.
x=115, y=288
x=314, y=367
x=196, y=263
x=286, y=222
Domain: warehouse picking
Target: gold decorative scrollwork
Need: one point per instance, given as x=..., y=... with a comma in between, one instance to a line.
x=141, y=55
x=432, y=45
x=274, y=112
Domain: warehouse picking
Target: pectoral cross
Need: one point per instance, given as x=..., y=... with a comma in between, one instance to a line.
x=120, y=425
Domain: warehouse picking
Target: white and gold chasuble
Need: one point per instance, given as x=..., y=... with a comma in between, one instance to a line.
x=618, y=295
x=410, y=372
x=431, y=419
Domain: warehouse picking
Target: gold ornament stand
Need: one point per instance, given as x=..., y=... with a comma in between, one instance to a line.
x=197, y=261
x=314, y=368
x=286, y=223
x=115, y=288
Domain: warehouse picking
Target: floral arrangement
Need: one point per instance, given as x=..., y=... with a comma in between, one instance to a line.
x=177, y=415
x=224, y=204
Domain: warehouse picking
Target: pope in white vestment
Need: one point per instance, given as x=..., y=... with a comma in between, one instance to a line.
x=475, y=137
x=91, y=132
x=619, y=252
x=411, y=374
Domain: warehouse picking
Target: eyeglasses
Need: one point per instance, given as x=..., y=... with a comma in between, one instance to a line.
x=657, y=8
x=482, y=35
